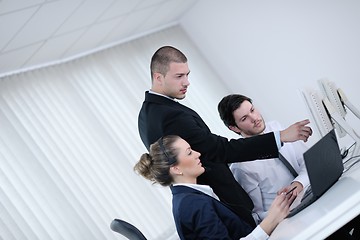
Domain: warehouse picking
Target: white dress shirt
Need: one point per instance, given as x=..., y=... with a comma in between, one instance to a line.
x=262, y=179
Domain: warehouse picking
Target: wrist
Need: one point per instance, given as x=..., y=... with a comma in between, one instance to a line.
x=268, y=225
x=282, y=137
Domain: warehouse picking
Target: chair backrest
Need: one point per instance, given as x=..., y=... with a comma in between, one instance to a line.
x=126, y=229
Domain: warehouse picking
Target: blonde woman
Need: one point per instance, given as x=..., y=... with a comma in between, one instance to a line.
x=197, y=212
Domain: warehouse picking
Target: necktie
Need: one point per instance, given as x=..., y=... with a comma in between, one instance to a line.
x=288, y=165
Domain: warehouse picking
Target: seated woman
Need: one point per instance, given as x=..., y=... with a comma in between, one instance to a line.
x=197, y=212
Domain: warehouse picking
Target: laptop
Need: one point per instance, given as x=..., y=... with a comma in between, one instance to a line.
x=324, y=165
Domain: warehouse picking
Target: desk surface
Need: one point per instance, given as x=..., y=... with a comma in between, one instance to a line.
x=334, y=209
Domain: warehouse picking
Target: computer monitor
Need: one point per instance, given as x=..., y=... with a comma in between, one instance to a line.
x=337, y=97
x=347, y=103
x=318, y=113
x=329, y=90
x=325, y=116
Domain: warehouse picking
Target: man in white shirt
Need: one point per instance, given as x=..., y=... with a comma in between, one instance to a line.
x=262, y=180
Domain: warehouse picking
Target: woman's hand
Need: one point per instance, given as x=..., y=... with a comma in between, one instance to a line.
x=279, y=209
x=295, y=192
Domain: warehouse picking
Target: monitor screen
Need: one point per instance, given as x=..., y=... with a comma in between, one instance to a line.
x=318, y=113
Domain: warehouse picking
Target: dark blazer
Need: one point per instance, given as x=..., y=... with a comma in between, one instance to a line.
x=199, y=216
x=160, y=116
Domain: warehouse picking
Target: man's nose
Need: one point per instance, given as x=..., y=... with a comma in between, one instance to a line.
x=186, y=81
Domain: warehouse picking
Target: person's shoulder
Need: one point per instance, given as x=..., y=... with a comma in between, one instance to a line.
x=159, y=101
x=194, y=198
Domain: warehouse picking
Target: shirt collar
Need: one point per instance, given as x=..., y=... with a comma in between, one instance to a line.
x=159, y=94
x=202, y=188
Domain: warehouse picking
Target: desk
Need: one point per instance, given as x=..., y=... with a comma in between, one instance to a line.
x=334, y=209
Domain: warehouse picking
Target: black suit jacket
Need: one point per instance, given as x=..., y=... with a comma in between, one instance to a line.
x=199, y=216
x=160, y=116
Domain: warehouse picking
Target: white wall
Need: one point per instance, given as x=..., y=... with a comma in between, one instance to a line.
x=270, y=49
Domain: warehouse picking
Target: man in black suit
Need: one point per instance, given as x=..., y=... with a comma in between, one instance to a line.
x=162, y=115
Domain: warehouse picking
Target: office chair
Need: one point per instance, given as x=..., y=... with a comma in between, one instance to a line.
x=126, y=229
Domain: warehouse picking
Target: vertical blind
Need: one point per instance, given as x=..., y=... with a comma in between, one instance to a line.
x=69, y=141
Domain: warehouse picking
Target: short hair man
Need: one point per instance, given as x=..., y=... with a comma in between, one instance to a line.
x=262, y=180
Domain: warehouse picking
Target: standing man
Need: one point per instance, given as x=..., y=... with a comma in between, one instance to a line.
x=162, y=115
x=262, y=180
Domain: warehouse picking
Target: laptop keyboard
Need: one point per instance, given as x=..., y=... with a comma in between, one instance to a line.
x=305, y=201
x=307, y=193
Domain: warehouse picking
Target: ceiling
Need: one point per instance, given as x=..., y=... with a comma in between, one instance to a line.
x=39, y=32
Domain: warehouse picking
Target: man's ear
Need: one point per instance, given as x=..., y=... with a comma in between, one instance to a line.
x=235, y=129
x=157, y=77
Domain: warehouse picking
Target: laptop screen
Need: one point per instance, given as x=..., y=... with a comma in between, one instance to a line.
x=324, y=163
